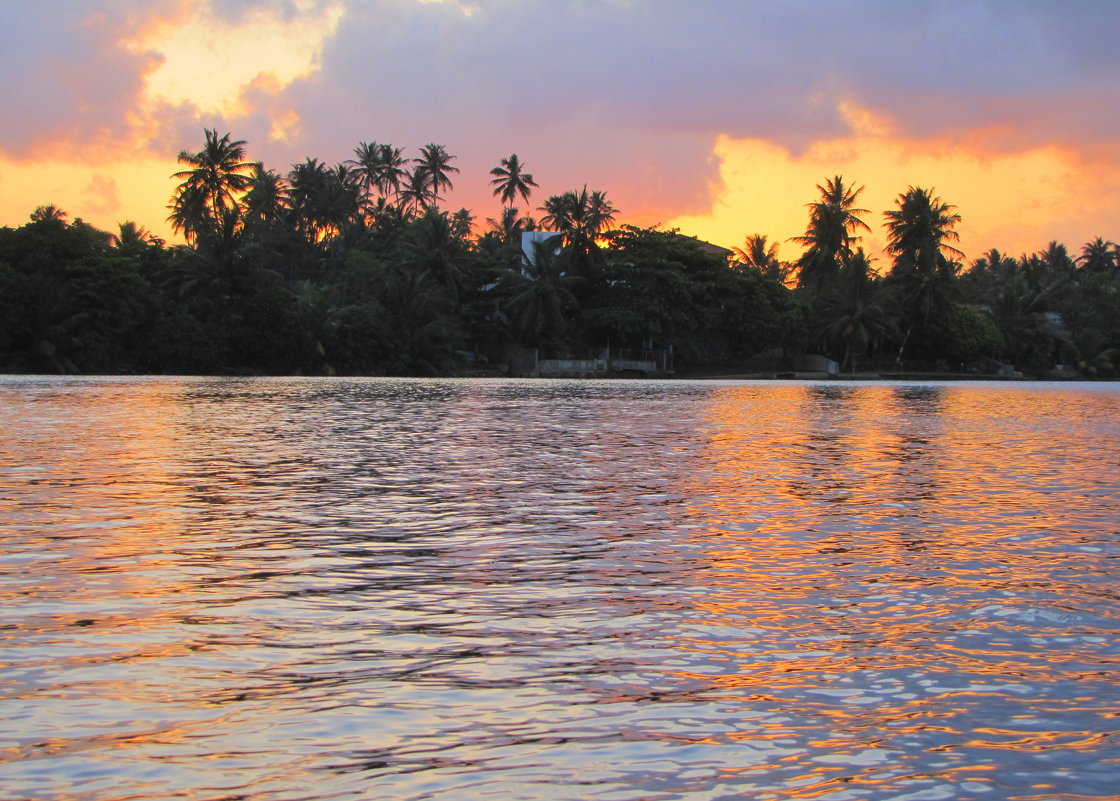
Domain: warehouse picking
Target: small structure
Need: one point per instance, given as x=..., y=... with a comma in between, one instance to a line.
x=530, y=238
x=812, y=363
x=604, y=363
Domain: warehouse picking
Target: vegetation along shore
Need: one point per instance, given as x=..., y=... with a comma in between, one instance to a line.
x=355, y=268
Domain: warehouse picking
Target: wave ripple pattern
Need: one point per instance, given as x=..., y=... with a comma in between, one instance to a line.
x=300, y=589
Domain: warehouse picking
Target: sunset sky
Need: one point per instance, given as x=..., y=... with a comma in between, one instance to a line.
x=715, y=116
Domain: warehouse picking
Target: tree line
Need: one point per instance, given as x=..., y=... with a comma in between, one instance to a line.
x=355, y=268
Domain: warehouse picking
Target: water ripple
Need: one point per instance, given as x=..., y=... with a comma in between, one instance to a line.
x=321, y=589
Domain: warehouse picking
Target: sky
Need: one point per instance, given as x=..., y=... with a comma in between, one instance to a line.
x=717, y=117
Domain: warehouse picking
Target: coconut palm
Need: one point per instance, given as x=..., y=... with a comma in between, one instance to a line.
x=579, y=214
x=431, y=245
x=267, y=197
x=831, y=234
x=324, y=199
x=379, y=167
x=49, y=213
x=511, y=180
x=925, y=266
x=134, y=241
x=211, y=186
x=509, y=226
x=852, y=312
x=760, y=255
x=600, y=214
x=919, y=232
x=367, y=165
x=434, y=166
x=1099, y=256
x=541, y=310
x=581, y=217
x=413, y=194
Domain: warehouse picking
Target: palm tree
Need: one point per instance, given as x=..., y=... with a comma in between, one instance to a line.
x=308, y=181
x=509, y=226
x=600, y=213
x=414, y=193
x=379, y=167
x=918, y=233
x=579, y=214
x=133, y=240
x=831, y=233
x=367, y=165
x=267, y=196
x=431, y=246
x=511, y=180
x=541, y=310
x=1093, y=355
x=462, y=224
x=434, y=166
x=762, y=256
x=325, y=199
x=581, y=217
x=919, y=230
x=1058, y=261
x=211, y=186
x=852, y=312
x=1099, y=256
x=49, y=213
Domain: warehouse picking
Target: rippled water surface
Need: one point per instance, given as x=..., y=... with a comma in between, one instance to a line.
x=379, y=589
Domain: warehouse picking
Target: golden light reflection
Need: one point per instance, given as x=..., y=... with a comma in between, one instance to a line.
x=845, y=544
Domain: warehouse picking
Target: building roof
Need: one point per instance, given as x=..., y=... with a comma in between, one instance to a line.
x=708, y=247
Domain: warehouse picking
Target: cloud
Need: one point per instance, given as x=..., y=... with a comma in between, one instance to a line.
x=102, y=196
x=136, y=76
x=69, y=84
x=628, y=96
x=1016, y=201
x=631, y=96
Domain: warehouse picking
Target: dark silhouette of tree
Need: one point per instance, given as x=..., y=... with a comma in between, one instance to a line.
x=852, y=313
x=511, y=180
x=831, y=234
x=760, y=255
x=1099, y=256
x=414, y=195
x=925, y=266
x=542, y=308
x=919, y=232
x=50, y=214
x=509, y=226
x=581, y=217
x=324, y=199
x=212, y=185
x=432, y=246
x=267, y=198
x=380, y=169
x=433, y=168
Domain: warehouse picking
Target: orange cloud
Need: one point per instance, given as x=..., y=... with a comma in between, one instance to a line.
x=101, y=195
x=207, y=61
x=1015, y=201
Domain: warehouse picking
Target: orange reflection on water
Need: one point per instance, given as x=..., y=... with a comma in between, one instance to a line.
x=878, y=557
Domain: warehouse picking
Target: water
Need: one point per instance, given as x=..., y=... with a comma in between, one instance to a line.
x=367, y=589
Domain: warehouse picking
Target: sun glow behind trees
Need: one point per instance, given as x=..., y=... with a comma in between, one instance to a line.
x=314, y=76
x=1015, y=201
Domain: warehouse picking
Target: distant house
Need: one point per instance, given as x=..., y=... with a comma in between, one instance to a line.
x=530, y=238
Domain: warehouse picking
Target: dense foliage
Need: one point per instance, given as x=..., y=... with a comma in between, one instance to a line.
x=356, y=269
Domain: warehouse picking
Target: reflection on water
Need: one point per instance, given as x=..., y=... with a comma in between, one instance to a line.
x=318, y=589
